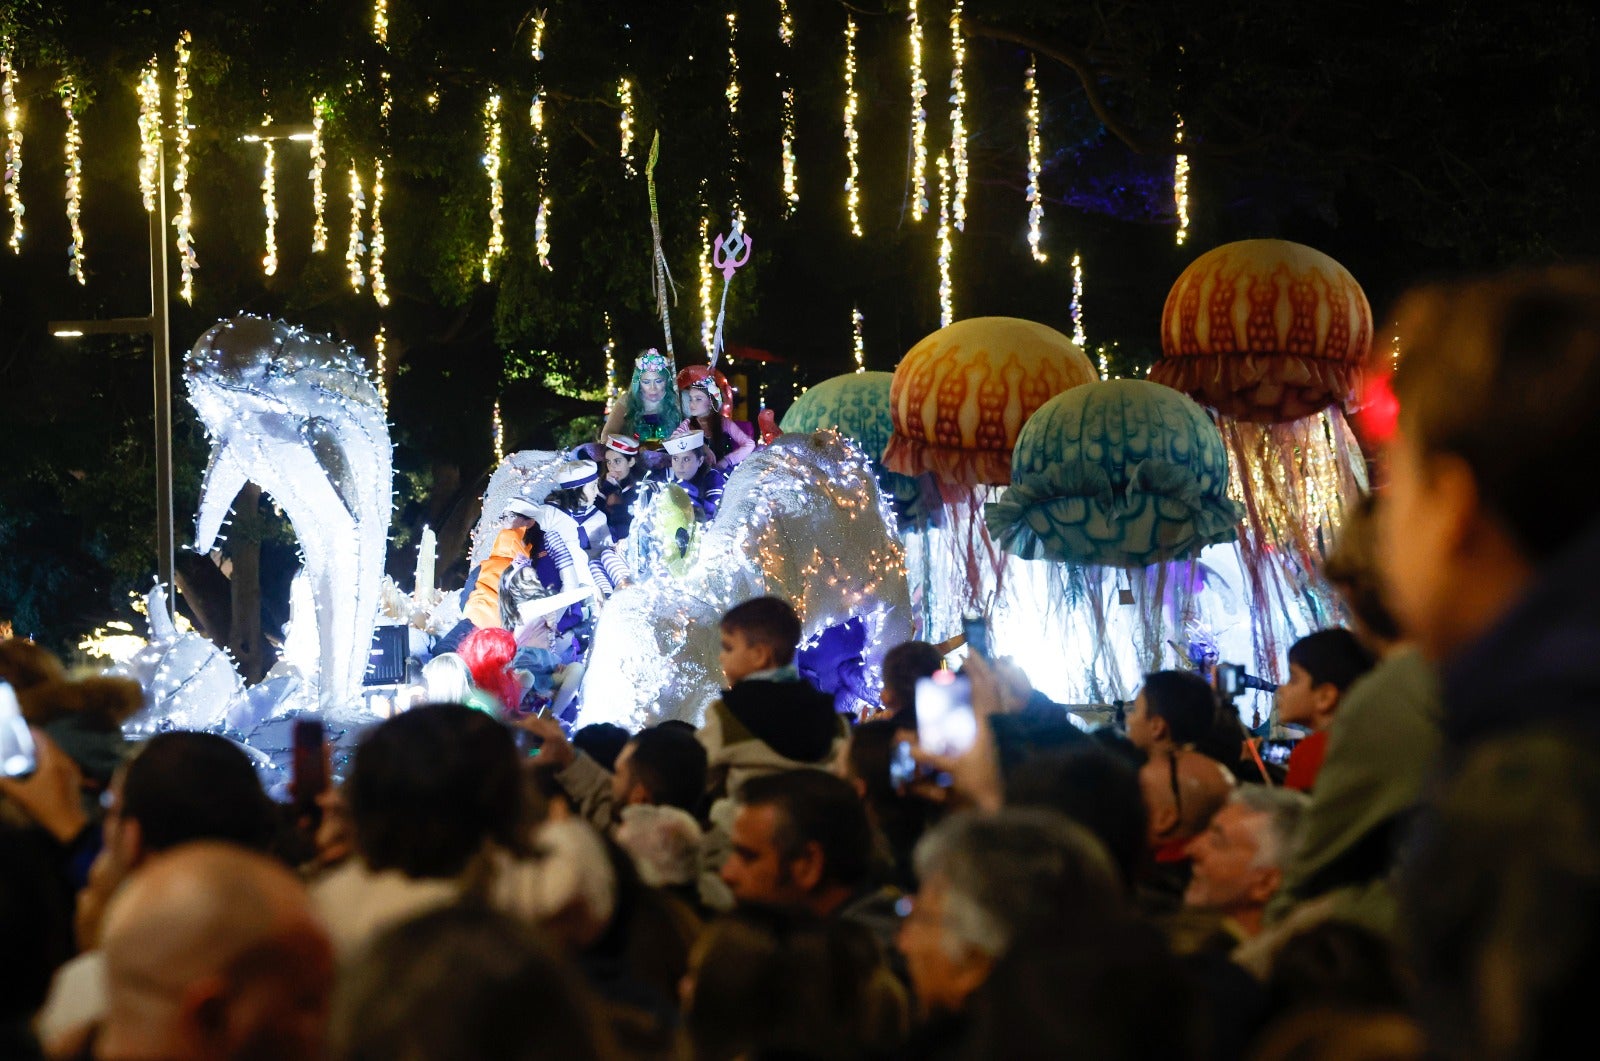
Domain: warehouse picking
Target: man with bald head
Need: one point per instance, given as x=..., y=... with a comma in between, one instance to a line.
x=1182, y=790
x=213, y=953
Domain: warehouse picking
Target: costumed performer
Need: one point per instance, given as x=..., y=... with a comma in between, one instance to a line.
x=648, y=410
x=480, y=597
x=692, y=470
x=620, y=486
x=576, y=533
x=725, y=439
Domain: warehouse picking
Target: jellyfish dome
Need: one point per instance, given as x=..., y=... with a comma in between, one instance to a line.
x=1265, y=330
x=1124, y=473
x=855, y=405
x=960, y=397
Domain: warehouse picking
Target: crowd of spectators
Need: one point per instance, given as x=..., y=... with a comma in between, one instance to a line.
x=776, y=884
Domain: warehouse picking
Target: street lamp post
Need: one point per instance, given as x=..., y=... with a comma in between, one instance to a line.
x=156, y=326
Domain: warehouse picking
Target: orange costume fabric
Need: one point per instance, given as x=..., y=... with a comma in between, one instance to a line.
x=483, y=605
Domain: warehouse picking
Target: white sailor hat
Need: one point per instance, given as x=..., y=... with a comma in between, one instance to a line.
x=520, y=506
x=573, y=474
x=685, y=442
x=623, y=444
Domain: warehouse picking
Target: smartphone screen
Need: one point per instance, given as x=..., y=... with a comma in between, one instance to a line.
x=945, y=722
x=1228, y=679
x=976, y=630
x=902, y=767
x=17, y=756
x=310, y=776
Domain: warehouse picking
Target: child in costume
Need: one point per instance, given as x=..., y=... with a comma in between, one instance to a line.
x=649, y=409
x=576, y=533
x=692, y=470
x=619, y=488
x=725, y=439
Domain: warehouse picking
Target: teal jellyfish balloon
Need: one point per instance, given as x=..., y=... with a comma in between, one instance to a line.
x=1123, y=473
x=855, y=405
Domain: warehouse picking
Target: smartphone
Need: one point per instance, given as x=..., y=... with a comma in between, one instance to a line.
x=310, y=766
x=976, y=629
x=17, y=755
x=1230, y=679
x=1277, y=752
x=945, y=722
x=902, y=767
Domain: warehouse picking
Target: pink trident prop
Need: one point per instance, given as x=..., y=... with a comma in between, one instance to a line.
x=729, y=254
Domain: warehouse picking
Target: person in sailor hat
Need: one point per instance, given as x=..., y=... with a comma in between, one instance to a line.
x=619, y=487
x=692, y=469
x=576, y=532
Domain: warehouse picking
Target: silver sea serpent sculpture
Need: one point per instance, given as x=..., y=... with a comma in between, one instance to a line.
x=298, y=415
x=801, y=518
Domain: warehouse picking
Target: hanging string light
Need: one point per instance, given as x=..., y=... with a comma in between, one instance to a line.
x=852, y=189
x=380, y=21
x=74, y=167
x=860, y=343
x=919, y=121
x=707, y=313
x=1035, y=197
x=1180, y=185
x=791, y=187
x=958, y=124
x=13, y=113
x=1079, y=336
x=356, y=247
x=625, y=125
x=380, y=345
x=541, y=223
x=269, y=204
x=611, y=365
x=499, y=434
x=149, y=133
x=733, y=112
x=491, y=166
x=188, y=260
x=947, y=313
x=380, y=285
x=319, y=163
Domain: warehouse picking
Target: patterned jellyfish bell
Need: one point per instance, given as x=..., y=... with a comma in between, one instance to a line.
x=1123, y=473
x=1266, y=331
x=960, y=397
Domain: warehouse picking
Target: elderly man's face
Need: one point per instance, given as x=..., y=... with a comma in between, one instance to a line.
x=944, y=971
x=1225, y=878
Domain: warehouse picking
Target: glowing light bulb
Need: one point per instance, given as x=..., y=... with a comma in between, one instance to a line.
x=919, y=121
x=947, y=313
x=380, y=285
x=491, y=166
x=149, y=133
x=1035, y=198
x=319, y=163
x=625, y=125
x=380, y=21
x=269, y=205
x=188, y=260
x=958, y=124
x=355, y=248
x=1180, y=185
x=13, y=116
x=852, y=189
x=856, y=320
x=74, y=167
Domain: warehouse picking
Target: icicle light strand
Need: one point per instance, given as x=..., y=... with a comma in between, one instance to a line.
x=791, y=183
x=947, y=313
x=1035, y=197
x=380, y=344
x=611, y=365
x=733, y=93
x=499, y=434
x=74, y=167
x=541, y=223
x=269, y=205
x=491, y=166
x=319, y=163
x=150, y=133
x=13, y=113
x=188, y=260
x=1079, y=336
x=859, y=340
x=919, y=121
x=852, y=146
x=356, y=247
x=380, y=21
x=625, y=125
x=707, y=314
x=380, y=284
x=1180, y=185
x=958, y=123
